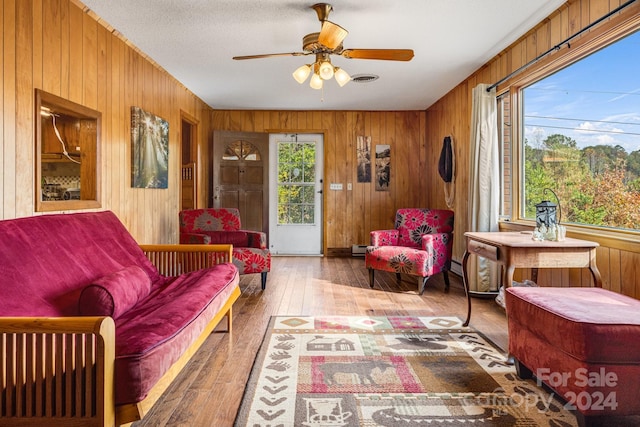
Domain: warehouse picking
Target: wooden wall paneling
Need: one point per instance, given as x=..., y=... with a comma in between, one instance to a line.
x=9, y=109
x=374, y=200
x=604, y=266
x=36, y=47
x=65, y=58
x=349, y=231
x=24, y=151
x=531, y=46
x=615, y=271
x=330, y=159
x=76, y=50
x=406, y=148
x=574, y=17
x=627, y=268
x=51, y=42
x=104, y=173
x=89, y=62
x=634, y=281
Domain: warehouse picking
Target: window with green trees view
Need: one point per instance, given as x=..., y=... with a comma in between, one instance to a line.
x=580, y=129
x=296, y=182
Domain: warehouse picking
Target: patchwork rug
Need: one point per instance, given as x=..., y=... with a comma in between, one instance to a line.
x=388, y=371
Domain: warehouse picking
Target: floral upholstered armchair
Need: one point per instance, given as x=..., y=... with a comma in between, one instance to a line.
x=420, y=245
x=222, y=225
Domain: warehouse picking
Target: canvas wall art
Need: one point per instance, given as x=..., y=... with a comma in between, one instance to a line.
x=383, y=167
x=150, y=150
x=363, y=147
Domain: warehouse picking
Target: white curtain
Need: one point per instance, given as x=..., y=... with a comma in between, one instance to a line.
x=484, y=183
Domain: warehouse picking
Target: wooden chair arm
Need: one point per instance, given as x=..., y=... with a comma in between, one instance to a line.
x=58, y=371
x=176, y=259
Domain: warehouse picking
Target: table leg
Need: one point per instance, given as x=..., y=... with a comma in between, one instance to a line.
x=465, y=282
x=593, y=268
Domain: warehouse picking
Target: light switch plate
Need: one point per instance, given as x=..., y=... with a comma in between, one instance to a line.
x=334, y=186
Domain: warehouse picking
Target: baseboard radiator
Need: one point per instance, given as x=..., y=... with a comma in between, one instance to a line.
x=358, y=250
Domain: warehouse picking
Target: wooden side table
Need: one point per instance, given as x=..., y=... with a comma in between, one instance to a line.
x=517, y=250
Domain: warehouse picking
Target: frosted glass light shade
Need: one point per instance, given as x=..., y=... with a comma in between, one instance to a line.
x=342, y=77
x=316, y=81
x=302, y=73
x=326, y=70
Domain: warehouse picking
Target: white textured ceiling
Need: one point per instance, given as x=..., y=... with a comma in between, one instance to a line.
x=194, y=40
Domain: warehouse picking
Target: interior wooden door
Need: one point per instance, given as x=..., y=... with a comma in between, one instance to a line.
x=241, y=176
x=189, y=175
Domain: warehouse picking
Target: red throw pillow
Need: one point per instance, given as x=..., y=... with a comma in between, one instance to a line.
x=114, y=294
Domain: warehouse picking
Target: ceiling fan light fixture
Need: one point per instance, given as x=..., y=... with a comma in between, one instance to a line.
x=301, y=73
x=342, y=77
x=331, y=35
x=315, y=82
x=326, y=70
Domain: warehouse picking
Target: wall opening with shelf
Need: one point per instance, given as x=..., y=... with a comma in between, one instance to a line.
x=67, y=154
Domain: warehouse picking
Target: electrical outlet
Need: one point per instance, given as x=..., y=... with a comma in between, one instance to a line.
x=334, y=186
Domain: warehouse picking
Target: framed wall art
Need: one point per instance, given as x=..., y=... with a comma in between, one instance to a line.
x=363, y=147
x=383, y=167
x=149, y=150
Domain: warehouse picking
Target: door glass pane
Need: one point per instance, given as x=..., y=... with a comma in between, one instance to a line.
x=296, y=182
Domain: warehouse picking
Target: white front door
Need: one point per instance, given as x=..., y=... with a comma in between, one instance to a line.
x=295, y=202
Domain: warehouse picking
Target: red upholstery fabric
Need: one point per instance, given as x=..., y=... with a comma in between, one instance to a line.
x=420, y=244
x=115, y=294
x=568, y=335
x=155, y=333
x=596, y=325
x=222, y=225
x=47, y=261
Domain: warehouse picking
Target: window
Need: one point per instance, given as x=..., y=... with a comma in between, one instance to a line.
x=296, y=182
x=580, y=136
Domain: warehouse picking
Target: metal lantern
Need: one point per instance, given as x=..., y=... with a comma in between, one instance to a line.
x=546, y=214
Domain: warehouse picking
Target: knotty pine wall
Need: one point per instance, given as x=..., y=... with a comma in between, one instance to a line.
x=58, y=46
x=349, y=216
x=618, y=259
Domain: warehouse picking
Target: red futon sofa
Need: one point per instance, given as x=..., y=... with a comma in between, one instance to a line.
x=94, y=327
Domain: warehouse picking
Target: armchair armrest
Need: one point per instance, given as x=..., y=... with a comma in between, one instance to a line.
x=256, y=239
x=173, y=260
x=38, y=370
x=441, y=242
x=194, y=238
x=384, y=237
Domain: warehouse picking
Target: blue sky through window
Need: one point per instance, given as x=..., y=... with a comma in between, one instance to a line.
x=595, y=101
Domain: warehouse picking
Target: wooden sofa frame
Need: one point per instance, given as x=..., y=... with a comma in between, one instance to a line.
x=60, y=371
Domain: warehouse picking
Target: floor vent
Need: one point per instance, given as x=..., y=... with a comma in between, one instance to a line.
x=358, y=250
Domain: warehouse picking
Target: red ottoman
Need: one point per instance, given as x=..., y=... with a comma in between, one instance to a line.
x=584, y=343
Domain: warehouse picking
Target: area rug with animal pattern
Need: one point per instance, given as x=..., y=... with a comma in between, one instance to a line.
x=388, y=371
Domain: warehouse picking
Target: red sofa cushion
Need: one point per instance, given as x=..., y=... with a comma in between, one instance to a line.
x=591, y=324
x=47, y=260
x=156, y=331
x=114, y=294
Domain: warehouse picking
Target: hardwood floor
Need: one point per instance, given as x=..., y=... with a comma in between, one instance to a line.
x=209, y=390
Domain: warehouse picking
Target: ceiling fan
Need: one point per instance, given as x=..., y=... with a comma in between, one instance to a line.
x=329, y=42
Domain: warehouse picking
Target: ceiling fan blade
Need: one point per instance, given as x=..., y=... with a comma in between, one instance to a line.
x=331, y=35
x=384, y=54
x=269, y=55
